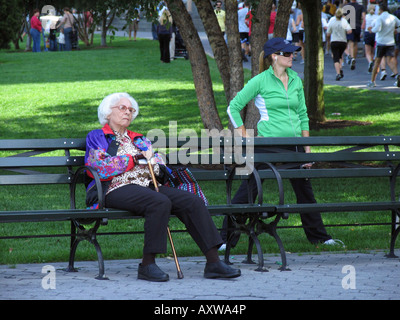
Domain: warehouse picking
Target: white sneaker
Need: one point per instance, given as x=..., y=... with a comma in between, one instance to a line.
x=222, y=247
x=383, y=75
x=335, y=242
x=397, y=82
x=371, y=84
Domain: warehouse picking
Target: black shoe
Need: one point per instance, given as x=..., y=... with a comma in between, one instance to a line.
x=152, y=272
x=338, y=77
x=371, y=66
x=353, y=64
x=220, y=269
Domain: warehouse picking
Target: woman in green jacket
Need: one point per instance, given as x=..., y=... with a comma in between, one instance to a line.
x=279, y=97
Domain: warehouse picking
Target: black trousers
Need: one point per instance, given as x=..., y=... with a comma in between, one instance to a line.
x=164, y=47
x=156, y=208
x=312, y=222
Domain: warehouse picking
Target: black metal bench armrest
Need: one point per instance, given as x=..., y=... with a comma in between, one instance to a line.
x=82, y=170
x=229, y=182
x=393, y=179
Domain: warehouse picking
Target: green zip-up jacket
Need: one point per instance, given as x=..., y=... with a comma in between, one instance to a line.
x=282, y=113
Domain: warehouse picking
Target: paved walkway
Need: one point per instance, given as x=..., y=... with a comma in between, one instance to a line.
x=357, y=78
x=339, y=276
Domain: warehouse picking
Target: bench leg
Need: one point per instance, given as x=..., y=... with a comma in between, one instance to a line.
x=227, y=251
x=229, y=246
x=89, y=235
x=74, y=244
x=270, y=228
x=72, y=251
x=92, y=239
x=248, y=259
x=255, y=240
x=249, y=229
x=101, y=275
x=282, y=251
x=394, y=233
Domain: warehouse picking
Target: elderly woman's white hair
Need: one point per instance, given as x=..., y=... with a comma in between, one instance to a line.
x=110, y=101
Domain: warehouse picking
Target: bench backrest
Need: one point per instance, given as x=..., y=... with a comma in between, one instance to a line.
x=29, y=156
x=30, y=161
x=340, y=156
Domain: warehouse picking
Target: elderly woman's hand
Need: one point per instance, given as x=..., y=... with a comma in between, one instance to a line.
x=148, y=154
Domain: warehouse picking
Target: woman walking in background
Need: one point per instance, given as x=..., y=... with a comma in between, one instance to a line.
x=338, y=27
x=36, y=30
x=164, y=32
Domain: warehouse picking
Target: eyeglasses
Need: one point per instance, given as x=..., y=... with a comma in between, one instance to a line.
x=123, y=108
x=285, y=54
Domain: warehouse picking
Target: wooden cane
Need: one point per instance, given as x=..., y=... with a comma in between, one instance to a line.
x=178, y=268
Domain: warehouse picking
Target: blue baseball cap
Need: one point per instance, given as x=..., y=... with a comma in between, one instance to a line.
x=278, y=44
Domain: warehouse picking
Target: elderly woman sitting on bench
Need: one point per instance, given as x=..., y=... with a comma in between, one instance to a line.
x=128, y=185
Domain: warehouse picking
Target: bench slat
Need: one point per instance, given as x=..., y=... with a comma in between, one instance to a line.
x=61, y=161
x=329, y=141
x=326, y=157
x=68, y=214
x=80, y=143
x=328, y=173
x=32, y=179
x=29, y=144
x=338, y=207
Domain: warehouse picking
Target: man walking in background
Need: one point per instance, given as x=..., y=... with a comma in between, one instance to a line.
x=384, y=27
x=354, y=36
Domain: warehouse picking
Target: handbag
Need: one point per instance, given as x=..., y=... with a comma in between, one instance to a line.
x=183, y=179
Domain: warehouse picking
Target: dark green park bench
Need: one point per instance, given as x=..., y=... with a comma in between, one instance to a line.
x=343, y=157
x=31, y=160
x=357, y=157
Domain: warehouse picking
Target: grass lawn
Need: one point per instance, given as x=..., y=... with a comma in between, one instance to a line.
x=56, y=94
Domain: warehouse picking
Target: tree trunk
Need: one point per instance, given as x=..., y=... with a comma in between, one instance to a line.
x=105, y=26
x=82, y=30
x=235, y=52
x=282, y=18
x=259, y=35
x=234, y=48
x=198, y=60
x=314, y=62
x=217, y=42
x=103, y=38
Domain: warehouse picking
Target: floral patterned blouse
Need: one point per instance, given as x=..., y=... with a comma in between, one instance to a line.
x=140, y=174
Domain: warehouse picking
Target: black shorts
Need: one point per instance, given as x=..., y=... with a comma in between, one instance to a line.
x=296, y=37
x=384, y=51
x=301, y=35
x=369, y=38
x=244, y=37
x=337, y=48
x=354, y=35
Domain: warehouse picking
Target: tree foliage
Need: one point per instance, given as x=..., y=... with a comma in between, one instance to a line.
x=227, y=54
x=11, y=19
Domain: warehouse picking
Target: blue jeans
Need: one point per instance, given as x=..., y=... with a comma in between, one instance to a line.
x=53, y=45
x=67, y=35
x=35, y=34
